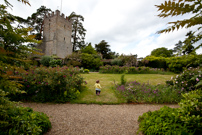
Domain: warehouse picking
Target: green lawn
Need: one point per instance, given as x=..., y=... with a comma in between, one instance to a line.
x=107, y=81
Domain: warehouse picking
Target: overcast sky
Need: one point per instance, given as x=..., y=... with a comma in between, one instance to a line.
x=129, y=26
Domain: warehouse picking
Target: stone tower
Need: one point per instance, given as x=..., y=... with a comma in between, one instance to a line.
x=56, y=35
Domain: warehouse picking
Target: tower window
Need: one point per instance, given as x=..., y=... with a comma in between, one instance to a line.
x=64, y=38
x=64, y=26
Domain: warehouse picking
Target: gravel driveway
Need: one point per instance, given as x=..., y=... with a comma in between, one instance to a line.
x=81, y=119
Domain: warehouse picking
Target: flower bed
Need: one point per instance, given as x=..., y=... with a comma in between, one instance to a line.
x=146, y=93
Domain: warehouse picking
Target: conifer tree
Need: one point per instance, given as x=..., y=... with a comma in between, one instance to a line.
x=78, y=31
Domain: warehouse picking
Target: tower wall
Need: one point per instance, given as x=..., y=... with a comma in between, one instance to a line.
x=57, y=35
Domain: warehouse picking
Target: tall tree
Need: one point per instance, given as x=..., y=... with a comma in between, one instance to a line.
x=162, y=52
x=178, y=48
x=104, y=49
x=78, y=31
x=35, y=21
x=188, y=43
x=181, y=7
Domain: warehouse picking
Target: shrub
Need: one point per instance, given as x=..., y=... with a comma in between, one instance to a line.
x=117, y=62
x=55, y=62
x=184, y=120
x=51, y=84
x=86, y=71
x=89, y=62
x=131, y=70
x=128, y=60
x=177, y=64
x=45, y=60
x=173, y=64
x=163, y=121
x=189, y=80
x=73, y=60
x=156, y=62
x=146, y=93
x=123, y=80
x=21, y=120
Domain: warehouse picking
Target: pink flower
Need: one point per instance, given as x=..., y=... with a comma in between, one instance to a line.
x=197, y=79
x=182, y=82
x=39, y=82
x=27, y=85
x=64, y=76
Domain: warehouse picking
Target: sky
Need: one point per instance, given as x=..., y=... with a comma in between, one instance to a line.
x=129, y=26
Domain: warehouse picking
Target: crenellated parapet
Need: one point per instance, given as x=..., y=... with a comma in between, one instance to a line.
x=56, y=13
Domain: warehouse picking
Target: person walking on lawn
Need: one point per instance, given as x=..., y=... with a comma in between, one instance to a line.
x=97, y=87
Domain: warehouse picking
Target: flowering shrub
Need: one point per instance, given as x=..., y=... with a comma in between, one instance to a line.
x=189, y=80
x=59, y=84
x=146, y=93
x=130, y=70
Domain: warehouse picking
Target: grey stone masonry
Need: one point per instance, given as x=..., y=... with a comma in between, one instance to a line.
x=56, y=35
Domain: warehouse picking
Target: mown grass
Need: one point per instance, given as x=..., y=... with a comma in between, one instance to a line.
x=108, y=94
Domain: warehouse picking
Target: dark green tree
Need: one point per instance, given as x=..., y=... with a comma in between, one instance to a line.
x=78, y=31
x=104, y=49
x=35, y=21
x=181, y=7
x=178, y=48
x=188, y=43
x=162, y=52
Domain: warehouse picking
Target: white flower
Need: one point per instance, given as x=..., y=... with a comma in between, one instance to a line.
x=171, y=77
x=177, y=76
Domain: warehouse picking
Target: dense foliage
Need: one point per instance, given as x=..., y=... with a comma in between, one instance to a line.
x=44, y=84
x=155, y=62
x=16, y=120
x=173, y=64
x=130, y=70
x=90, y=61
x=45, y=60
x=184, y=120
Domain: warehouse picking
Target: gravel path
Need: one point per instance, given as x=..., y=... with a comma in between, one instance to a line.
x=81, y=119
